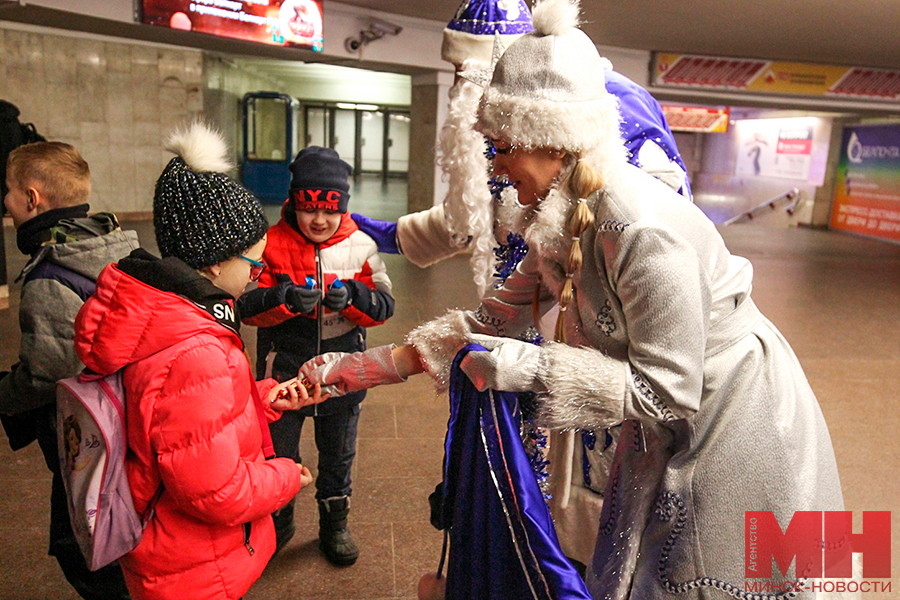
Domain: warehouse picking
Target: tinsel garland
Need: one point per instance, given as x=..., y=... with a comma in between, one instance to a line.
x=534, y=441
x=508, y=255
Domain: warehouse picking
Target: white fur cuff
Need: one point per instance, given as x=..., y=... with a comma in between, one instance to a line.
x=586, y=388
x=437, y=343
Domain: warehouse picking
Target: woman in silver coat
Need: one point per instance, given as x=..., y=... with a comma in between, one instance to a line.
x=657, y=332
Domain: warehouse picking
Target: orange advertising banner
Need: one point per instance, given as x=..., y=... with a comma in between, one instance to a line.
x=771, y=77
x=695, y=118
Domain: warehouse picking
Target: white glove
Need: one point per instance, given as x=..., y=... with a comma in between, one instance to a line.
x=509, y=365
x=341, y=372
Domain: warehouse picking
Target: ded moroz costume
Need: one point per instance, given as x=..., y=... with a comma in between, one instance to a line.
x=660, y=334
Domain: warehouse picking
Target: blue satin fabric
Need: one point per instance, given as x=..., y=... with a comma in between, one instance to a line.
x=479, y=17
x=502, y=541
x=642, y=120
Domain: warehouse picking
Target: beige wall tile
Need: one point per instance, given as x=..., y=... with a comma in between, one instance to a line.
x=60, y=53
x=118, y=57
x=144, y=55
x=147, y=134
x=91, y=92
x=145, y=89
x=62, y=114
x=119, y=101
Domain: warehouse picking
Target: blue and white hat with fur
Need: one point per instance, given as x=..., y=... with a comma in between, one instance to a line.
x=470, y=34
x=548, y=89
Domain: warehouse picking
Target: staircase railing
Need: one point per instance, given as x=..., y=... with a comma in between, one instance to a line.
x=790, y=199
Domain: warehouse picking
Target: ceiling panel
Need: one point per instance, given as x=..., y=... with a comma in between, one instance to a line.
x=863, y=33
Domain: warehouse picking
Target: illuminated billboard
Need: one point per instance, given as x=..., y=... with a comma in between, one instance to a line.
x=278, y=22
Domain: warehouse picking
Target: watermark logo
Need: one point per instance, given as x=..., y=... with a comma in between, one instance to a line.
x=856, y=151
x=819, y=544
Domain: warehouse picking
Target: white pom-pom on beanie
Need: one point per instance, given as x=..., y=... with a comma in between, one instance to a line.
x=201, y=147
x=201, y=215
x=556, y=18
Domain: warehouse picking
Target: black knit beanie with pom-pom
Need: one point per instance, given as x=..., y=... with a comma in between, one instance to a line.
x=201, y=215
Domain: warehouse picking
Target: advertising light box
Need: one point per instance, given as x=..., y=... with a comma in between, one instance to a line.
x=278, y=22
x=867, y=190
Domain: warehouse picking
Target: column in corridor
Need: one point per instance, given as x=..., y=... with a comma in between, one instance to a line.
x=428, y=110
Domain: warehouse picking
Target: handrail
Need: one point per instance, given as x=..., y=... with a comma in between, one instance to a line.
x=793, y=196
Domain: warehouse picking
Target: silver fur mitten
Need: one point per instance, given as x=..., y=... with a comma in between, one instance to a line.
x=340, y=373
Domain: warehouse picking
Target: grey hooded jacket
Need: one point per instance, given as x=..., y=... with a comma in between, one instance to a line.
x=49, y=306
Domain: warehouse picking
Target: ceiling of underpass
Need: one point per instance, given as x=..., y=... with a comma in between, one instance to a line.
x=838, y=32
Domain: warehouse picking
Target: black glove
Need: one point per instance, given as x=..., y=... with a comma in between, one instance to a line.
x=262, y=299
x=300, y=299
x=337, y=298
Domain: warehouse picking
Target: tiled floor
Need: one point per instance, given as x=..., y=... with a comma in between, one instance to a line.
x=836, y=298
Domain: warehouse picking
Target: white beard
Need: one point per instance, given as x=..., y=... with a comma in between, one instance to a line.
x=467, y=205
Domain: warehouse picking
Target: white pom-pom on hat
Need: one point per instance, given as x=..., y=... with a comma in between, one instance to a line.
x=201, y=147
x=555, y=17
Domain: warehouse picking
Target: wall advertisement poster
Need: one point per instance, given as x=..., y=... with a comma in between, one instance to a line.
x=867, y=191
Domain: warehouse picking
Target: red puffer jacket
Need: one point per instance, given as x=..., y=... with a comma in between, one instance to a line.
x=192, y=426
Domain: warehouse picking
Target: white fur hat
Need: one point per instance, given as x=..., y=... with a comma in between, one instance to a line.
x=470, y=34
x=548, y=88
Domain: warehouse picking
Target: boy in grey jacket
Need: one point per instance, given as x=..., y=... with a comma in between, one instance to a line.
x=49, y=184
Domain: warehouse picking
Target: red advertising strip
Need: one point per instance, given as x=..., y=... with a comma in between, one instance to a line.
x=277, y=22
x=870, y=83
x=712, y=72
x=794, y=147
x=692, y=118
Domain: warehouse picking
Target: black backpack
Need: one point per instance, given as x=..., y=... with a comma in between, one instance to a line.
x=12, y=135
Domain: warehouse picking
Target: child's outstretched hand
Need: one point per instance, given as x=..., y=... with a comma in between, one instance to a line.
x=295, y=394
x=341, y=373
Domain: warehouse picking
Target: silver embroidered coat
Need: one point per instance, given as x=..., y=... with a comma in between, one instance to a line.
x=719, y=418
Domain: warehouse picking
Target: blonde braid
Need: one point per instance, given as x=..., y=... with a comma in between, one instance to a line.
x=583, y=182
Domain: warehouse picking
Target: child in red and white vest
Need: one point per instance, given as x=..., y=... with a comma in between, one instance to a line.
x=324, y=284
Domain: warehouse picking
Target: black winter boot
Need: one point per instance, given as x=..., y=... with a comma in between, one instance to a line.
x=284, y=525
x=334, y=536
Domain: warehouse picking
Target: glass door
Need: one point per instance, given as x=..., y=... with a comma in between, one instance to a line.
x=372, y=142
x=269, y=127
x=318, y=126
x=344, y=140
x=398, y=144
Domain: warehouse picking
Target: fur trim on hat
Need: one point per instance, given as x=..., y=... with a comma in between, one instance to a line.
x=459, y=46
x=537, y=123
x=555, y=17
x=201, y=147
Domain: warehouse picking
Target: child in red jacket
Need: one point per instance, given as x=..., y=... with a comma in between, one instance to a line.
x=325, y=285
x=196, y=418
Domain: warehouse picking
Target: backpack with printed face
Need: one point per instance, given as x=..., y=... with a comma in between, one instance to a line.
x=92, y=446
